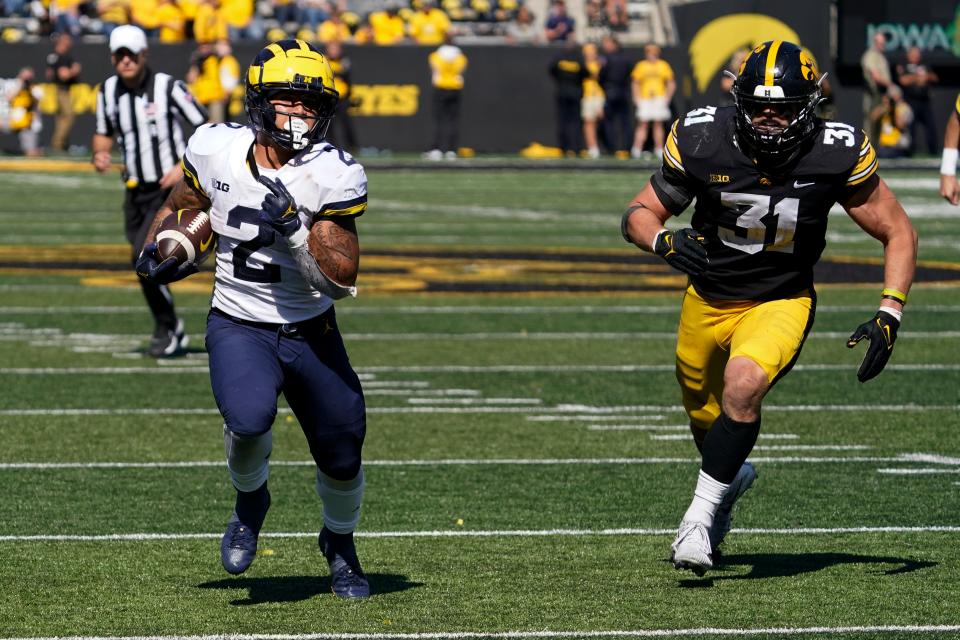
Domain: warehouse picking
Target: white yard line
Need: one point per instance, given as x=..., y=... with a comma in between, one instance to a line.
x=468, y=533
x=546, y=634
x=918, y=472
x=187, y=464
x=559, y=409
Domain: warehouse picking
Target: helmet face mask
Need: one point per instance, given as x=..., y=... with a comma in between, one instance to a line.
x=291, y=71
x=776, y=94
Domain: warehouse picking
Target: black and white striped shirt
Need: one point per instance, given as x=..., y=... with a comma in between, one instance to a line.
x=146, y=123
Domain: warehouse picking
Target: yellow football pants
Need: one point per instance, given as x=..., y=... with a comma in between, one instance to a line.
x=713, y=331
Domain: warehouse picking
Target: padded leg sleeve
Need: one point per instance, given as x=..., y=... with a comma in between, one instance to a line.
x=341, y=501
x=247, y=459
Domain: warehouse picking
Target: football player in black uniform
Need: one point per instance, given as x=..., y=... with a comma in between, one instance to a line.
x=765, y=173
x=949, y=188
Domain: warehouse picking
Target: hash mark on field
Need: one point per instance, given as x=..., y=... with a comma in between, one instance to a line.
x=638, y=427
x=762, y=436
x=466, y=401
x=587, y=418
x=811, y=447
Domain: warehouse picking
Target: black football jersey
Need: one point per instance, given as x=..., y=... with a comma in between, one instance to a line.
x=764, y=232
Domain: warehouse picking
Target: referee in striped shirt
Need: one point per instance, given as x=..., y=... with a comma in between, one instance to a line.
x=142, y=109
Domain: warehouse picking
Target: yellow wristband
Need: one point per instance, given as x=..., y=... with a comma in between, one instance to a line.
x=894, y=294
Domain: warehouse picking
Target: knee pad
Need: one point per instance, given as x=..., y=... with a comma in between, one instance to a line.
x=247, y=458
x=341, y=501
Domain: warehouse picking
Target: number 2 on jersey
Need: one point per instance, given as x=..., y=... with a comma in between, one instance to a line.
x=241, y=270
x=754, y=226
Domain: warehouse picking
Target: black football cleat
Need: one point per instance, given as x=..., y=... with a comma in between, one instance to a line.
x=238, y=547
x=347, y=579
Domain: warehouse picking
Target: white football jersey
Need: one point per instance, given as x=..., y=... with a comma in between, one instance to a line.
x=256, y=281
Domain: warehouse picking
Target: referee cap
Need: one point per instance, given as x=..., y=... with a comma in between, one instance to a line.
x=129, y=37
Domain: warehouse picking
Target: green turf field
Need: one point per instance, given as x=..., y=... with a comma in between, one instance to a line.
x=527, y=459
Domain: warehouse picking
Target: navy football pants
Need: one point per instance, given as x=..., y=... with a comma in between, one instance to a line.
x=252, y=363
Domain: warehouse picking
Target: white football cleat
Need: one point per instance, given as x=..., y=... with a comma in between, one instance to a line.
x=722, y=519
x=691, y=549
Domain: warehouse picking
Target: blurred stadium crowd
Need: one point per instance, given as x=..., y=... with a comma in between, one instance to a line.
x=356, y=21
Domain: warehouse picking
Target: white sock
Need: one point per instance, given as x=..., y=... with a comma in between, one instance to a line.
x=247, y=459
x=341, y=501
x=706, y=499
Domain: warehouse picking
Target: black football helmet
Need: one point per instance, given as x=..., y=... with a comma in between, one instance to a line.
x=291, y=66
x=777, y=75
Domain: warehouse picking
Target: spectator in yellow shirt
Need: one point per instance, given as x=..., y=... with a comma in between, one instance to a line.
x=171, y=21
x=429, y=25
x=333, y=29
x=591, y=105
x=113, y=13
x=447, y=65
x=143, y=13
x=653, y=88
x=387, y=25
x=240, y=19
x=214, y=74
x=210, y=25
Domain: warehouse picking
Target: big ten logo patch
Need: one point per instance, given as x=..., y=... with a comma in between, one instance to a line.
x=384, y=100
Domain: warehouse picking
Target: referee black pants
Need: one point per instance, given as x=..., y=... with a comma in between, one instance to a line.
x=140, y=205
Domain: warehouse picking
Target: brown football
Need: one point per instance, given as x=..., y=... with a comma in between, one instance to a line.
x=186, y=235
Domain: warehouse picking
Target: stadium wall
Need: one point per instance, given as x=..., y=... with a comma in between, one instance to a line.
x=508, y=98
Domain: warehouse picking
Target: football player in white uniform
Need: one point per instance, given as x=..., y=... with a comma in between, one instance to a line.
x=283, y=203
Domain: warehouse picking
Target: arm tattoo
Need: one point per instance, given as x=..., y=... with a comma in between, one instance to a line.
x=328, y=256
x=336, y=248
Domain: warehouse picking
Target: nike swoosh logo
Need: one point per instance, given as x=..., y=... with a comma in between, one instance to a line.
x=800, y=185
x=205, y=245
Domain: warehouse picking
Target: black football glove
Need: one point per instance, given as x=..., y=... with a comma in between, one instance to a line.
x=151, y=267
x=881, y=331
x=683, y=250
x=279, y=211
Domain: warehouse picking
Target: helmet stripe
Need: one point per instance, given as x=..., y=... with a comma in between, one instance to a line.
x=771, y=62
x=277, y=49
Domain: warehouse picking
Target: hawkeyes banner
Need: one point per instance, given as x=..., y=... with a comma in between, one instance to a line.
x=930, y=25
x=715, y=33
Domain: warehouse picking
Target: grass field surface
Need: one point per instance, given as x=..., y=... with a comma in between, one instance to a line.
x=527, y=457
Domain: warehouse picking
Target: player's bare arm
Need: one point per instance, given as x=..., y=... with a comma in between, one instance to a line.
x=878, y=212
x=644, y=218
x=182, y=196
x=949, y=189
x=643, y=225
